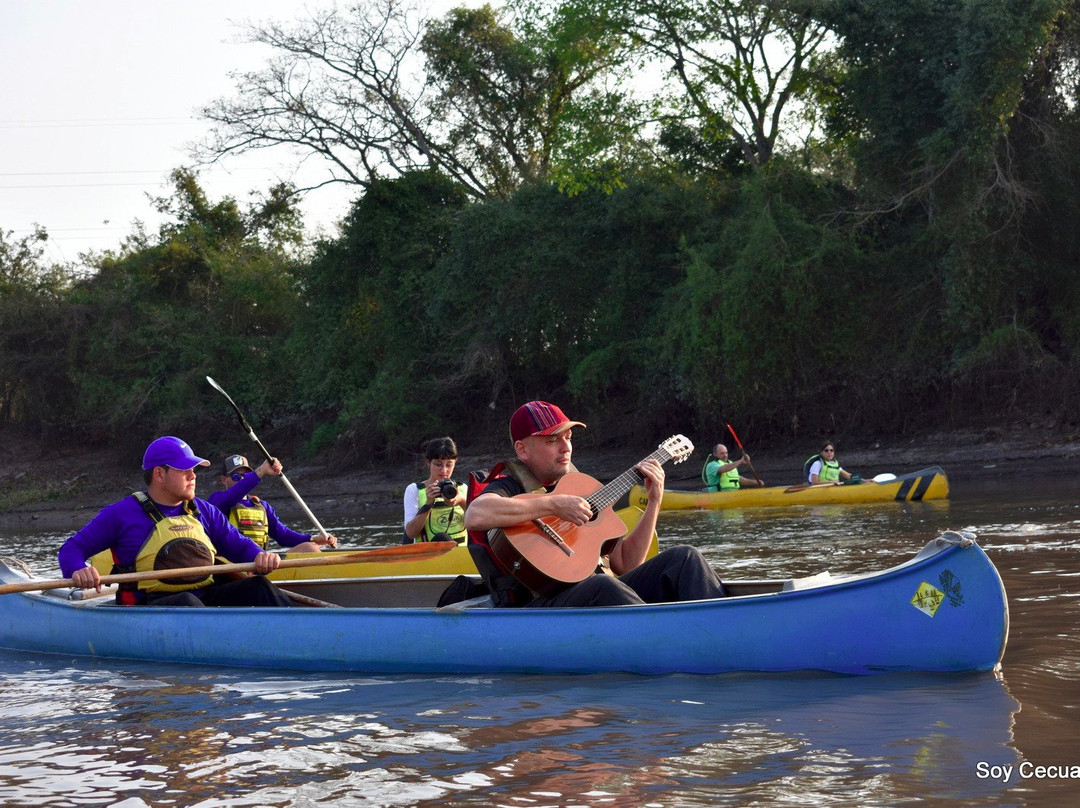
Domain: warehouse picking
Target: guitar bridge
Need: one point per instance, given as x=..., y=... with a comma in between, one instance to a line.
x=550, y=533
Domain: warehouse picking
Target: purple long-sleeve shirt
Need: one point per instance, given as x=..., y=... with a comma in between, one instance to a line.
x=238, y=493
x=124, y=527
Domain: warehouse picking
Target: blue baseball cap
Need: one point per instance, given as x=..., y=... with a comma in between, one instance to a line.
x=171, y=452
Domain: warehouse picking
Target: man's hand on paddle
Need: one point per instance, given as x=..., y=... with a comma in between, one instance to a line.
x=329, y=540
x=266, y=562
x=271, y=466
x=87, y=578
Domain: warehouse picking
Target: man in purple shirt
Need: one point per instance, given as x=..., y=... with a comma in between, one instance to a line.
x=167, y=526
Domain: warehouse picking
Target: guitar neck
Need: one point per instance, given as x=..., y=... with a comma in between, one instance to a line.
x=610, y=493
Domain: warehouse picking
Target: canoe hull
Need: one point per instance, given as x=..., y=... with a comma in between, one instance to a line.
x=930, y=483
x=944, y=610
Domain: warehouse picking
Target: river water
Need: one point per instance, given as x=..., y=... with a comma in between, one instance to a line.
x=77, y=732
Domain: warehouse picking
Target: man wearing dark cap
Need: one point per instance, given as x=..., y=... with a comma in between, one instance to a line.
x=166, y=527
x=542, y=437
x=253, y=516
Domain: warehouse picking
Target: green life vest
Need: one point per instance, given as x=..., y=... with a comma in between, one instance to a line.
x=726, y=481
x=442, y=520
x=830, y=469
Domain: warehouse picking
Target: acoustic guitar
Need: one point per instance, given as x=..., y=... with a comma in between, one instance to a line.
x=548, y=554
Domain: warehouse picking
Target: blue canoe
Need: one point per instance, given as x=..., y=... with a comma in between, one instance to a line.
x=943, y=610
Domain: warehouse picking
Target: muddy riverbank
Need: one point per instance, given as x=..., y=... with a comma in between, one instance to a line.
x=66, y=488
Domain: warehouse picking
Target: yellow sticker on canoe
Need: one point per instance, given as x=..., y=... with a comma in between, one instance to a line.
x=927, y=598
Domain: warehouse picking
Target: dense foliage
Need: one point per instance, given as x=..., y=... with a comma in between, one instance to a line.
x=657, y=267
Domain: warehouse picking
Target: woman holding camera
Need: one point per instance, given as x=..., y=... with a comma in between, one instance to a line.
x=435, y=507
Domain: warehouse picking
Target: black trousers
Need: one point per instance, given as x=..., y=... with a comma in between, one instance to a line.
x=255, y=590
x=678, y=573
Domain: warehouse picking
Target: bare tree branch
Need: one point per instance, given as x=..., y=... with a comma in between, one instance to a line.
x=346, y=85
x=739, y=63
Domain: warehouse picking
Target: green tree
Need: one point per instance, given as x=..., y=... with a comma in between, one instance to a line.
x=35, y=326
x=776, y=311
x=491, y=99
x=371, y=345
x=956, y=110
x=931, y=87
x=743, y=72
x=206, y=296
x=532, y=93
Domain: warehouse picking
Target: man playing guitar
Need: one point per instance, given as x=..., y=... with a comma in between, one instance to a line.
x=527, y=491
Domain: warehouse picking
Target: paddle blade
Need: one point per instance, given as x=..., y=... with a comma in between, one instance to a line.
x=406, y=552
x=240, y=416
x=217, y=387
x=884, y=478
x=399, y=552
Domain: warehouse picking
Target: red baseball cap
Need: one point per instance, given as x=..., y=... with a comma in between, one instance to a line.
x=539, y=418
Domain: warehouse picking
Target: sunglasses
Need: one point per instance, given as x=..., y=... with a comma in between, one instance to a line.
x=237, y=476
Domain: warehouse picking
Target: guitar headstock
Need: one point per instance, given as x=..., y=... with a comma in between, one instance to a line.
x=679, y=447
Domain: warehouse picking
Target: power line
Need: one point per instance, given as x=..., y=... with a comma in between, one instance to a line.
x=70, y=173
x=94, y=122
x=216, y=177
x=85, y=185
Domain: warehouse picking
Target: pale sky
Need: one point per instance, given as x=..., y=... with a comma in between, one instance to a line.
x=99, y=100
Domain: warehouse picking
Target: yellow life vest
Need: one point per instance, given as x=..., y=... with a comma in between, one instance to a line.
x=442, y=518
x=252, y=522
x=175, y=541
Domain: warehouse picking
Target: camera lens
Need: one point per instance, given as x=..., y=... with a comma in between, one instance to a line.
x=448, y=489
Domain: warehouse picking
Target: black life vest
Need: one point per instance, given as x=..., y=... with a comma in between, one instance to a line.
x=506, y=590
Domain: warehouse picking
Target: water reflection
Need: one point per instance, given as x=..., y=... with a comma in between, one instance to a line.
x=250, y=739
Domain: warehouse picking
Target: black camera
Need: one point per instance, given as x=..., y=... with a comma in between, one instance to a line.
x=448, y=489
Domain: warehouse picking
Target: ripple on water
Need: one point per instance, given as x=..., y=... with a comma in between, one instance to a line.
x=125, y=734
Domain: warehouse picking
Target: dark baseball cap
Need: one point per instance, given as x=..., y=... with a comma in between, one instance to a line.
x=234, y=462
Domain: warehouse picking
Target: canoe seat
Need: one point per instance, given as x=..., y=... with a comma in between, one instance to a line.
x=81, y=594
x=809, y=582
x=482, y=602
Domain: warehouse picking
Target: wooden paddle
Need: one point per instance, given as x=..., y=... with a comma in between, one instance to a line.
x=879, y=479
x=741, y=449
x=251, y=434
x=404, y=552
x=804, y=486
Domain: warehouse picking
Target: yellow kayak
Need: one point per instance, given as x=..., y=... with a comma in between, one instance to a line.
x=928, y=483
x=456, y=562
